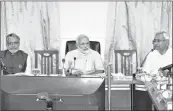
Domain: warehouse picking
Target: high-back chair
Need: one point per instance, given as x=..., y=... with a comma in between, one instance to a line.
x=126, y=61
x=49, y=61
x=71, y=45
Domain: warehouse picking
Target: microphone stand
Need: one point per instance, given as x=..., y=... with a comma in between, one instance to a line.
x=63, y=69
x=2, y=67
x=73, y=66
x=146, y=58
x=1, y=71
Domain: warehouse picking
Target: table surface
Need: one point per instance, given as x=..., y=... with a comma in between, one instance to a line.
x=128, y=82
x=153, y=95
x=161, y=106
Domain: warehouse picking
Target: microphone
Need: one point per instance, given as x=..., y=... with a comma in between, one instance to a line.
x=74, y=58
x=167, y=67
x=146, y=57
x=142, y=64
x=74, y=61
x=63, y=69
x=63, y=61
x=138, y=70
x=74, y=65
x=2, y=64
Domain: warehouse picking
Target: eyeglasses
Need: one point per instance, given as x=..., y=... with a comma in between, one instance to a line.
x=11, y=43
x=157, y=40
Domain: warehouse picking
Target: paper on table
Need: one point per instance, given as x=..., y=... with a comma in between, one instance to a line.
x=101, y=74
x=167, y=94
x=155, y=72
x=169, y=105
x=42, y=75
x=49, y=75
x=89, y=76
x=120, y=76
x=117, y=74
x=148, y=78
x=94, y=75
x=88, y=72
x=19, y=74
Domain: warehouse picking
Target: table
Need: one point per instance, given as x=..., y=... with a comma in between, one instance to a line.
x=132, y=95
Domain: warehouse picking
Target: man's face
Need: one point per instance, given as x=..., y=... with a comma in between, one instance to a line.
x=160, y=43
x=84, y=44
x=13, y=44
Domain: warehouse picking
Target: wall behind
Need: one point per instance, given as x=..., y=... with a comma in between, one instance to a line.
x=67, y=21
x=87, y=18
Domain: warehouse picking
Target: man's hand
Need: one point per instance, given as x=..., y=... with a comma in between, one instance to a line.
x=140, y=70
x=21, y=74
x=17, y=74
x=9, y=75
x=91, y=72
x=36, y=72
x=77, y=73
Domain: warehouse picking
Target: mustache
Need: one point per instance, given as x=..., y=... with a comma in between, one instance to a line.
x=155, y=46
x=86, y=49
x=13, y=48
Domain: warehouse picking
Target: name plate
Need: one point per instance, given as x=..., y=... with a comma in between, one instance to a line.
x=149, y=87
x=159, y=98
x=123, y=78
x=169, y=106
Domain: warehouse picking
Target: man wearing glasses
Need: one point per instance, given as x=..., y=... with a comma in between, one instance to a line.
x=160, y=56
x=83, y=60
x=14, y=61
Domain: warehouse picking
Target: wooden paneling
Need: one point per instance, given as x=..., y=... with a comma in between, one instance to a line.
x=18, y=102
x=121, y=99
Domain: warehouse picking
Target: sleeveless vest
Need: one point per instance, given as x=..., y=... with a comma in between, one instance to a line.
x=14, y=63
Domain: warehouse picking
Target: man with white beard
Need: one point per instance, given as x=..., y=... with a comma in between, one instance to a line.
x=83, y=60
x=12, y=60
x=161, y=55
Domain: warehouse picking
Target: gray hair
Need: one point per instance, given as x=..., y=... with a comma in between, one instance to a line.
x=81, y=36
x=13, y=35
x=165, y=35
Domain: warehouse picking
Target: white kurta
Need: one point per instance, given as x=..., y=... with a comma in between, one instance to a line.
x=84, y=62
x=155, y=61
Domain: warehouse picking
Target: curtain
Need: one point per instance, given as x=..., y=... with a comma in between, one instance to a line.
x=132, y=25
x=37, y=24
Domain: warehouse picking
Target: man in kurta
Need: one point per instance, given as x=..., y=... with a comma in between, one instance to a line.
x=12, y=60
x=161, y=55
x=83, y=60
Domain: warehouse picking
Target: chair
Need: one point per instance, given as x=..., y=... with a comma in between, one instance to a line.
x=71, y=45
x=48, y=59
x=126, y=63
